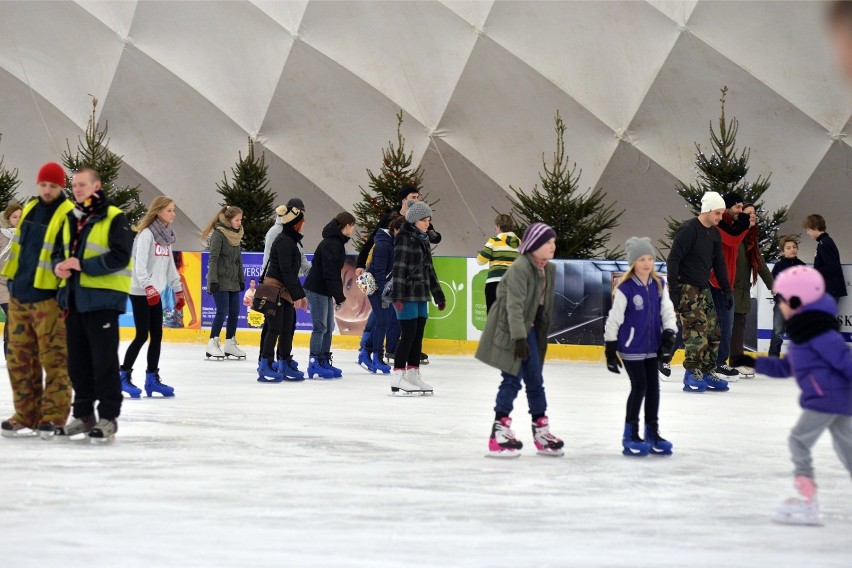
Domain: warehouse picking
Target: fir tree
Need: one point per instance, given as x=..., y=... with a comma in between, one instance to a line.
x=249, y=191
x=395, y=172
x=93, y=152
x=724, y=171
x=582, y=221
x=9, y=182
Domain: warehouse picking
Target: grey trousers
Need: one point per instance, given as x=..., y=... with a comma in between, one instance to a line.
x=807, y=431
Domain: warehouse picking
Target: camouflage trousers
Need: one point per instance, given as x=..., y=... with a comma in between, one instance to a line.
x=38, y=363
x=701, y=334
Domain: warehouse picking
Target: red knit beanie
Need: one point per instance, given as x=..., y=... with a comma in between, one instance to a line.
x=53, y=173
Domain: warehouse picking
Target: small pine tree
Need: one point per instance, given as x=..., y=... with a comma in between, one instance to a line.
x=249, y=191
x=93, y=152
x=382, y=194
x=724, y=172
x=582, y=222
x=9, y=182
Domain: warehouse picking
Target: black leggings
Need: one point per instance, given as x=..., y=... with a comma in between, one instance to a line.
x=644, y=384
x=490, y=295
x=279, y=329
x=410, y=344
x=149, y=321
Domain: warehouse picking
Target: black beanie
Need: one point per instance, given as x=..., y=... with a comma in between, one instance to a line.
x=732, y=199
x=405, y=190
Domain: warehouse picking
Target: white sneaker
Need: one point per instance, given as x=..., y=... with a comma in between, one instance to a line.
x=798, y=512
x=232, y=350
x=400, y=383
x=413, y=377
x=213, y=349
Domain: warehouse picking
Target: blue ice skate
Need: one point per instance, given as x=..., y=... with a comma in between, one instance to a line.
x=154, y=384
x=693, y=382
x=659, y=445
x=127, y=384
x=326, y=359
x=365, y=360
x=266, y=374
x=290, y=370
x=316, y=368
x=714, y=383
x=632, y=443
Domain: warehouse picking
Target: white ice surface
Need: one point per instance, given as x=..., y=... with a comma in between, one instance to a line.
x=232, y=472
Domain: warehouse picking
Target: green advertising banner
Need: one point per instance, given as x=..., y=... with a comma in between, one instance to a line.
x=452, y=322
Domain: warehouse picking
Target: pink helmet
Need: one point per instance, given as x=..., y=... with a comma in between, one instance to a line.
x=799, y=286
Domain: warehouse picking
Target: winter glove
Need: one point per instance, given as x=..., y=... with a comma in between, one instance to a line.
x=152, y=295
x=180, y=300
x=442, y=305
x=212, y=288
x=612, y=361
x=398, y=305
x=434, y=236
x=242, y=285
x=667, y=344
x=743, y=361
x=729, y=299
x=522, y=349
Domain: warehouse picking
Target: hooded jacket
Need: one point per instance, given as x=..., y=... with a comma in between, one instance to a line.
x=818, y=357
x=381, y=266
x=225, y=263
x=324, y=277
x=285, y=261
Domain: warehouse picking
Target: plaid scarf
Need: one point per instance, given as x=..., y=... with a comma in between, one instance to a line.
x=84, y=212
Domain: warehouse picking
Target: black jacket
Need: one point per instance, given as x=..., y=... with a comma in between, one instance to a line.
x=696, y=250
x=285, y=260
x=324, y=277
x=827, y=261
x=414, y=275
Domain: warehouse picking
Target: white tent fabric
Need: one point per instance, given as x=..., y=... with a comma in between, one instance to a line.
x=184, y=85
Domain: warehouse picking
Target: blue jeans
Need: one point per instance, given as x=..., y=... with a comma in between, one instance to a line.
x=227, y=303
x=777, y=332
x=367, y=336
x=382, y=320
x=530, y=373
x=726, y=325
x=322, y=318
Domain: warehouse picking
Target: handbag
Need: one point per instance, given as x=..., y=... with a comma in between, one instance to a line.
x=269, y=295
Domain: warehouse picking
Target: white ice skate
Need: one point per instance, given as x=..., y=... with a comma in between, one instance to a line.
x=413, y=377
x=231, y=349
x=104, y=431
x=76, y=429
x=745, y=372
x=214, y=351
x=401, y=386
x=795, y=511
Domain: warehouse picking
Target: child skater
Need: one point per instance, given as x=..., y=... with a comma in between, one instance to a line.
x=641, y=328
x=822, y=364
x=515, y=341
x=153, y=269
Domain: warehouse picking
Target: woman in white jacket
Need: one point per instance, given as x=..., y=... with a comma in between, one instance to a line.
x=153, y=270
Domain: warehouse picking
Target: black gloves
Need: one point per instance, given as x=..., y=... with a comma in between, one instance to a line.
x=743, y=361
x=522, y=349
x=667, y=345
x=212, y=288
x=729, y=299
x=612, y=361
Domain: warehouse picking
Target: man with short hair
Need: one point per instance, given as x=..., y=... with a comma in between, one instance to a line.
x=696, y=250
x=37, y=359
x=92, y=256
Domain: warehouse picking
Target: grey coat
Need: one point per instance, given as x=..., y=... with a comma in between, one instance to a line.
x=513, y=314
x=225, y=265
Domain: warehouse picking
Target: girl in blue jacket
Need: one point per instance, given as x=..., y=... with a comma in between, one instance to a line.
x=641, y=328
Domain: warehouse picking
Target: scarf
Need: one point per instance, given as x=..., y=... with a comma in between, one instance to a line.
x=806, y=325
x=753, y=253
x=84, y=212
x=234, y=236
x=164, y=235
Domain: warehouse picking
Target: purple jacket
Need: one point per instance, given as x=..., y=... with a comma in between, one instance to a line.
x=822, y=366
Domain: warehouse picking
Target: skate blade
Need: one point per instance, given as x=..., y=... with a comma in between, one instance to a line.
x=504, y=454
x=214, y=357
x=265, y=380
x=399, y=393
x=22, y=433
x=99, y=440
x=47, y=436
x=76, y=438
x=238, y=357
x=693, y=389
x=551, y=453
x=718, y=389
x=796, y=521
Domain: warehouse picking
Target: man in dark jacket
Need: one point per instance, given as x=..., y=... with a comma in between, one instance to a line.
x=827, y=260
x=92, y=256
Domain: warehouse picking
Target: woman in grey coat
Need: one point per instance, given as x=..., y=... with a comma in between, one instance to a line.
x=225, y=278
x=515, y=341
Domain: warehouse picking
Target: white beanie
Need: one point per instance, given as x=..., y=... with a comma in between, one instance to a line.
x=711, y=201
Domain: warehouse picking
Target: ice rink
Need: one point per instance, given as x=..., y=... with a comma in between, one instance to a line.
x=232, y=472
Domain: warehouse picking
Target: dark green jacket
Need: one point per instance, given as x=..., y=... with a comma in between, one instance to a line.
x=742, y=286
x=513, y=313
x=225, y=266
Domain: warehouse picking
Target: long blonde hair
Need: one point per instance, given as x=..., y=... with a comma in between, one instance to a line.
x=228, y=211
x=157, y=206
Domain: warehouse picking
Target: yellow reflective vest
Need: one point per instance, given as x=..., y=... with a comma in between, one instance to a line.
x=97, y=243
x=44, y=279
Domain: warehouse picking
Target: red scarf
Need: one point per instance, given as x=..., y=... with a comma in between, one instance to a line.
x=753, y=253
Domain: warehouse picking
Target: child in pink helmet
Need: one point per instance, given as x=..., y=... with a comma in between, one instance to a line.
x=822, y=363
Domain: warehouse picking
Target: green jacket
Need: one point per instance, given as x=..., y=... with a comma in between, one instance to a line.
x=225, y=265
x=742, y=285
x=513, y=314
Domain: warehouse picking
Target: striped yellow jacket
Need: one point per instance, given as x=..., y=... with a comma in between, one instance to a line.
x=499, y=252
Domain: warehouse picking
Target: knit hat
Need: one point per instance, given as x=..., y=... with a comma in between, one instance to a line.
x=536, y=235
x=711, y=201
x=52, y=172
x=290, y=215
x=638, y=246
x=417, y=210
x=732, y=199
x=404, y=191
x=296, y=203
